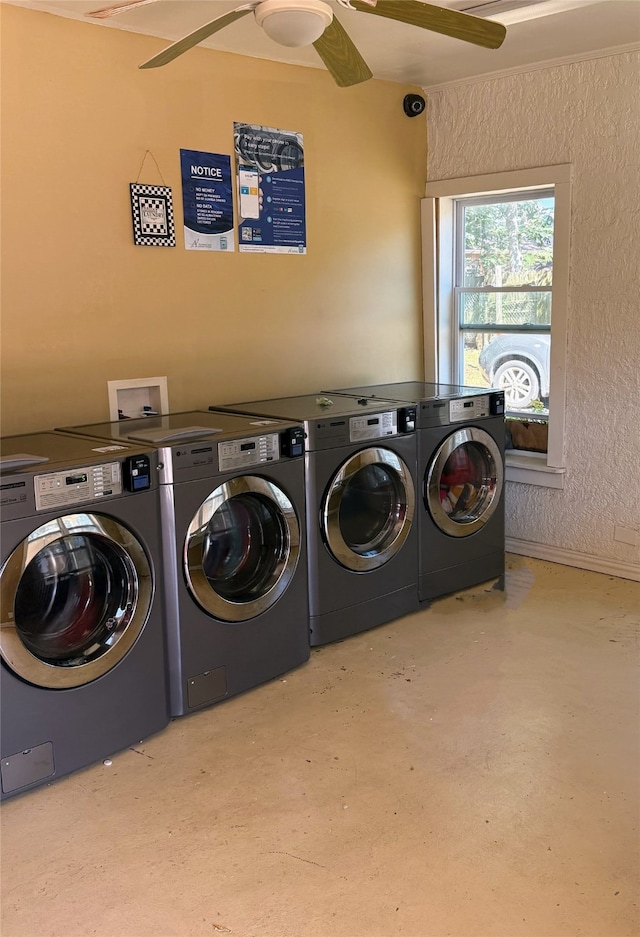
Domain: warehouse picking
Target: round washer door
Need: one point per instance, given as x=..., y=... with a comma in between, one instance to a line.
x=368, y=509
x=464, y=482
x=74, y=596
x=242, y=548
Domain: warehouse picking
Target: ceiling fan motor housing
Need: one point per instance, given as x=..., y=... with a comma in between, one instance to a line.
x=297, y=23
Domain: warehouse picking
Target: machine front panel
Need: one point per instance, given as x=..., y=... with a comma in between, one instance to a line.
x=468, y=409
x=373, y=426
x=76, y=486
x=242, y=453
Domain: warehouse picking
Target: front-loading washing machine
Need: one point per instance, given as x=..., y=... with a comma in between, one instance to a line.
x=232, y=509
x=360, y=494
x=83, y=669
x=461, y=442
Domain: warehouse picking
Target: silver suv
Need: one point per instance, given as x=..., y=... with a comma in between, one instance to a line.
x=519, y=365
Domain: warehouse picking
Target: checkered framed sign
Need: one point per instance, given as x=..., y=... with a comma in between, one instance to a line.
x=152, y=214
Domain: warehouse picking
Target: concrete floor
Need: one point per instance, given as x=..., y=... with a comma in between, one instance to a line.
x=471, y=770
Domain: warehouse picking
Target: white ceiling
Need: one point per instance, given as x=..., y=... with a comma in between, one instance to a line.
x=553, y=29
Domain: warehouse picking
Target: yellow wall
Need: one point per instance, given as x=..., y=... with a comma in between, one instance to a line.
x=82, y=305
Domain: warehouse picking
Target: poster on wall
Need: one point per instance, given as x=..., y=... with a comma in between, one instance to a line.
x=269, y=167
x=207, y=201
x=152, y=215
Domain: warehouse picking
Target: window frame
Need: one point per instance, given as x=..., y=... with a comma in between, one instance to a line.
x=460, y=290
x=440, y=326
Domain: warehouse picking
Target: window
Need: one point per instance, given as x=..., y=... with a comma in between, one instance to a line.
x=502, y=296
x=495, y=290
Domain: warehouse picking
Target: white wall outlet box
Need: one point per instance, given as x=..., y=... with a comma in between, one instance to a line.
x=141, y=396
x=626, y=535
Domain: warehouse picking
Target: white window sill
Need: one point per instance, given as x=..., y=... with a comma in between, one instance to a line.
x=530, y=468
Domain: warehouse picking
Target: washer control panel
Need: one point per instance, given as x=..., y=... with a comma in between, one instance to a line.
x=468, y=408
x=61, y=489
x=254, y=450
x=373, y=426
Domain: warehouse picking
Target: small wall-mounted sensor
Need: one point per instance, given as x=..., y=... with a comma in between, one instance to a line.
x=413, y=105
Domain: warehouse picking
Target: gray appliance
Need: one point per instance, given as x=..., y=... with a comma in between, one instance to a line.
x=232, y=508
x=360, y=492
x=461, y=441
x=82, y=638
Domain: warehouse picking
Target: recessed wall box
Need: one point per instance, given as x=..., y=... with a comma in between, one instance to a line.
x=143, y=396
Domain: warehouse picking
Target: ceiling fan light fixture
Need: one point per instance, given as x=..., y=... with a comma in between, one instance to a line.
x=293, y=22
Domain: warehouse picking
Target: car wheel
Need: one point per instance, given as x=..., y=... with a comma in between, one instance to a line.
x=519, y=382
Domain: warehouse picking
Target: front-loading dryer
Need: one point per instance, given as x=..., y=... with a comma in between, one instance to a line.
x=461, y=442
x=360, y=494
x=83, y=669
x=232, y=508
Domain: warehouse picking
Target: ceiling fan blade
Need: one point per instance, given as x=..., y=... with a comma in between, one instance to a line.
x=341, y=57
x=187, y=42
x=118, y=8
x=448, y=22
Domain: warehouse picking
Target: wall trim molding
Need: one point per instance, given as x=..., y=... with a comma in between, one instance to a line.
x=597, y=564
x=535, y=67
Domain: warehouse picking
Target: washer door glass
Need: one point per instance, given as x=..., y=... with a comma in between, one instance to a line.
x=368, y=509
x=242, y=548
x=74, y=596
x=464, y=482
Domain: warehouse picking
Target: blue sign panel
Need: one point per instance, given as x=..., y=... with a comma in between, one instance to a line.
x=271, y=190
x=207, y=201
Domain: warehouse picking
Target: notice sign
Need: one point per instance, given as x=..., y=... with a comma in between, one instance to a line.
x=207, y=201
x=271, y=190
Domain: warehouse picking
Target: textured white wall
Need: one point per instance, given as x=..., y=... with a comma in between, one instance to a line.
x=586, y=114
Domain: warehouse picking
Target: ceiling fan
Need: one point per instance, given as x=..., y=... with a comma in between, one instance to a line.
x=306, y=22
